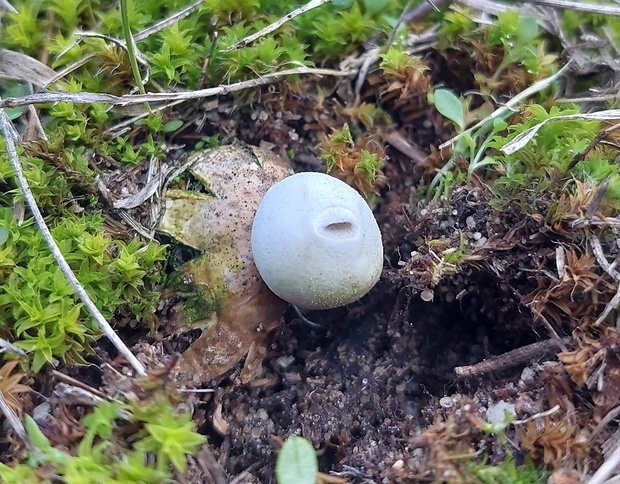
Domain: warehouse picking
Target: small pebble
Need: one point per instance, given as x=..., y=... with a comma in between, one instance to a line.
x=285, y=361
x=427, y=295
x=496, y=413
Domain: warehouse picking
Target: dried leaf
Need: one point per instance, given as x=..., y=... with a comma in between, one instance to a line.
x=231, y=302
x=10, y=386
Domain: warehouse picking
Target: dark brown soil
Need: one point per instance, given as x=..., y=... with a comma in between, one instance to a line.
x=363, y=389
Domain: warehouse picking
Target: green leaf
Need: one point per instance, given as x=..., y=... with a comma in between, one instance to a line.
x=35, y=435
x=172, y=125
x=374, y=6
x=297, y=462
x=449, y=106
x=4, y=234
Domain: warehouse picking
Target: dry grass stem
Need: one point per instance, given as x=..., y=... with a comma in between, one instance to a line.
x=77, y=383
x=597, y=250
x=277, y=24
x=510, y=105
x=608, y=9
x=4, y=5
x=132, y=99
x=607, y=468
x=546, y=413
x=508, y=360
x=6, y=346
x=611, y=305
x=167, y=22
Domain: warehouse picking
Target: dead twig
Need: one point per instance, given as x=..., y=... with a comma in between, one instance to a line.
x=413, y=152
x=422, y=10
x=77, y=383
x=546, y=413
x=597, y=250
x=132, y=99
x=611, y=305
x=276, y=25
x=508, y=360
x=6, y=346
x=597, y=139
x=11, y=137
x=426, y=6
x=607, y=468
x=611, y=415
x=608, y=9
x=4, y=5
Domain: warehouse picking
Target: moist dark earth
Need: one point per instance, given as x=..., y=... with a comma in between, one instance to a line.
x=364, y=387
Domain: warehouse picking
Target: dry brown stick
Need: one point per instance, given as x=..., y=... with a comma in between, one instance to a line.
x=77, y=383
x=4, y=5
x=579, y=6
x=131, y=99
x=597, y=139
x=6, y=346
x=551, y=330
x=507, y=360
x=544, y=414
x=611, y=415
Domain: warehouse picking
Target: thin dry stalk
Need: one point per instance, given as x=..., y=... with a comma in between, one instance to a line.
x=11, y=137
x=276, y=25
x=611, y=305
x=579, y=6
x=131, y=99
x=4, y=5
x=508, y=360
x=167, y=22
x=6, y=346
x=607, y=468
x=510, y=105
x=597, y=250
x=544, y=414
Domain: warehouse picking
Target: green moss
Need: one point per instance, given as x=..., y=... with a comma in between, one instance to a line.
x=160, y=436
x=38, y=309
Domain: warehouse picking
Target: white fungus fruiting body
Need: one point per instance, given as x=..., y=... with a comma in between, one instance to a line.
x=315, y=242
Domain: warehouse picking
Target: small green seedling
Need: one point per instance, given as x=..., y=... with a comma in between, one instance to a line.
x=297, y=462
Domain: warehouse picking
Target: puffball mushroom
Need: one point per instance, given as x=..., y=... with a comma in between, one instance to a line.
x=315, y=242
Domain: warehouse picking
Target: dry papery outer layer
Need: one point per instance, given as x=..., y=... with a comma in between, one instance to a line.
x=238, y=308
x=316, y=242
